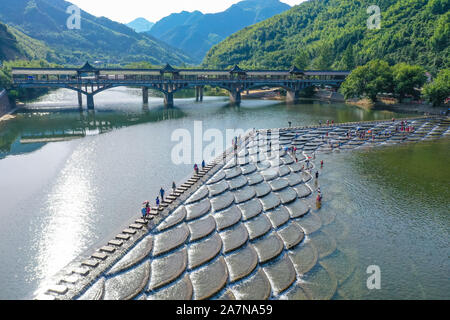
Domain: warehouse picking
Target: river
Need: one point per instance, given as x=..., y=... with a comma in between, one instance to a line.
x=71, y=180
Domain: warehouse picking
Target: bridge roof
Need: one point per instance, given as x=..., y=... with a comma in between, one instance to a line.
x=87, y=68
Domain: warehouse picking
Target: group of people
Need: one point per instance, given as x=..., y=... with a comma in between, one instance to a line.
x=404, y=127
x=146, y=209
x=196, y=168
x=328, y=122
x=293, y=151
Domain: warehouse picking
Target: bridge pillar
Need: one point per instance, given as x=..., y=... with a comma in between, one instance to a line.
x=80, y=99
x=168, y=99
x=90, y=101
x=292, y=95
x=235, y=96
x=145, y=95
x=199, y=93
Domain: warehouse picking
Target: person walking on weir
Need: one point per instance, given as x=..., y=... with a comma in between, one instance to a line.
x=161, y=192
x=196, y=168
x=144, y=212
x=174, y=186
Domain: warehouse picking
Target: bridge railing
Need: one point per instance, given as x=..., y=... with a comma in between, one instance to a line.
x=174, y=81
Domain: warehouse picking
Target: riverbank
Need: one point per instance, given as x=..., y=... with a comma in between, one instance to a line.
x=229, y=226
x=393, y=105
x=6, y=107
x=331, y=96
x=276, y=94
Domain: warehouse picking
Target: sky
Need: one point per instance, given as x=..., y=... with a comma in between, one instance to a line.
x=153, y=10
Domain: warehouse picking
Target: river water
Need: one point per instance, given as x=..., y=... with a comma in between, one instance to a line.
x=71, y=180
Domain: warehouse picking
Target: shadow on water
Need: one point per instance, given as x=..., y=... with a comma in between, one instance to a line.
x=33, y=128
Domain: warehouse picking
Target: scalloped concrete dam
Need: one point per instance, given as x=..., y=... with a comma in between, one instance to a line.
x=243, y=228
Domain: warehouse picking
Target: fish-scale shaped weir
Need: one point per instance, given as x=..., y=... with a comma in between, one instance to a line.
x=209, y=279
x=281, y=274
x=241, y=263
x=246, y=230
x=180, y=290
x=166, y=269
x=319, y=284
x=304, y=257
x=256, y=287
x=203, y=251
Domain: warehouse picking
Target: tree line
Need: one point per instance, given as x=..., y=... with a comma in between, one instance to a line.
x=400, y=80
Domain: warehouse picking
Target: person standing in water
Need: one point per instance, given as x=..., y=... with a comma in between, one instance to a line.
x=157, y=202
x=319, y=200
x=174, y=186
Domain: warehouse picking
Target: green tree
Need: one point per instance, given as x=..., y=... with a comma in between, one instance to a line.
x=139, y=65
x=439, y=90
x=369, y=80
x=408, y=80
x=22, y=94
x=324, y=57
x=440, y=39
x=348, y=59
x=302, y=59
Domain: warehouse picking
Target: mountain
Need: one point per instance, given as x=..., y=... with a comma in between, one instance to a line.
x=9, y=47
x=15, y=45
x=98, y=38
x=195, y=33
x=334, y=34
x=173, y=21
x=141, y=25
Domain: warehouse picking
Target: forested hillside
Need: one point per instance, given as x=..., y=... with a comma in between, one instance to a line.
x=195, y=33
x=333, y=34
x=16, y=45
x=97, y=39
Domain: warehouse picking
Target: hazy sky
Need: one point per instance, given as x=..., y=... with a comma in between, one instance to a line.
x=153, y=10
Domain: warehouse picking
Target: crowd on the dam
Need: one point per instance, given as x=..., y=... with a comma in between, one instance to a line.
x=147, y=210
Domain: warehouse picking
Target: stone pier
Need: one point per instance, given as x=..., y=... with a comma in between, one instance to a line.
x=168, y=99
x=145, y=95
x=199, y=93
x=235, y=97
x=80, y=99
x=292, y=95
x=237, y=229
x=90, y=101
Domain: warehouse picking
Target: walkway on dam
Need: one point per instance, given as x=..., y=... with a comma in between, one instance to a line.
x=244, y=229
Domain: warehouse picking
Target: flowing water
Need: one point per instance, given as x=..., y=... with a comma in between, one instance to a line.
x=71, y=180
